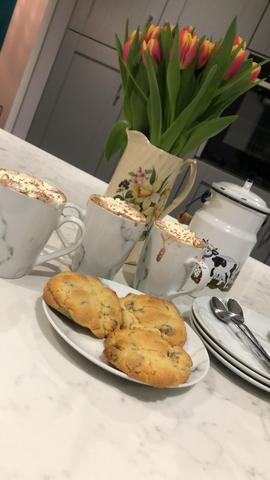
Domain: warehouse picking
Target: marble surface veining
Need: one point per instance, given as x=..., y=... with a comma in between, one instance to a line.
x=63, y=418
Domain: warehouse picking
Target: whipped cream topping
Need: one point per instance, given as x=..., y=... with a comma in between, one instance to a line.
x=118, y=207
x=31, y=186
x=179, y=232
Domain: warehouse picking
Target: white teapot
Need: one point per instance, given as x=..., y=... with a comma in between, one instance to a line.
x=229, y=222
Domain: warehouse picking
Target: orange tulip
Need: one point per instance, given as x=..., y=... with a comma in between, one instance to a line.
x=256, y=71
x=204, y=52
x=153, y=48
x=152, y=32
x=238, y=60
x=188, y=42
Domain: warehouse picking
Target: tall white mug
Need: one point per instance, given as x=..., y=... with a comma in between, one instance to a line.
x=112, y=229
x=170, y=263
x=30, y=210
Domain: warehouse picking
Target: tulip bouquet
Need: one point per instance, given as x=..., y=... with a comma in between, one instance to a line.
x=177, y=85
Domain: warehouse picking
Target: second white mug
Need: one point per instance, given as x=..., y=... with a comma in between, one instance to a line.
x=112, y=229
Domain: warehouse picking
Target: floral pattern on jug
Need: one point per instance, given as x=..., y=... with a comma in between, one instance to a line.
x=223, y=269
x=146, y=191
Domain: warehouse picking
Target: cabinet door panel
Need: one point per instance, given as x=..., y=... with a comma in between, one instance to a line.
x=261, y=40
x=105, y=18
x=77, y=108
x=212, y=17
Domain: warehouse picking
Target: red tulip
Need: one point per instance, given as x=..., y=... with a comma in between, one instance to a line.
x=204, y=52
x=152, y=32
x=238, y=40
x=255, y=72
x=188, y=41
x=153, y=48
x=127, y=45
x=238, y=60
x=126, y=49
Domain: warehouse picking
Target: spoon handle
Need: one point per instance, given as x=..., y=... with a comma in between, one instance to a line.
x=258, y=344
x=253, y=340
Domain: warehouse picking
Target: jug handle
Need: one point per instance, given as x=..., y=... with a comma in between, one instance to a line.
x=178, y=200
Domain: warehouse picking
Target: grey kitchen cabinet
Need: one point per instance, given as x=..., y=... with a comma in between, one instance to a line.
x=100, y=19
x=79, y=103
x=212, y=17
x=207, y=174
x=261, y=39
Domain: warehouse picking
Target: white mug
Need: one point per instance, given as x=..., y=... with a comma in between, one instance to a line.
x=109, y=237
x=27, y=221
x=168, y=267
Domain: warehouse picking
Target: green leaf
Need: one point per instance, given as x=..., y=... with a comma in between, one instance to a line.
x=154, y=109
x=134, y=54
x=126, y=31
x=120, y=197
x=221, y=55
x=136, y=83
x=163, y=184
x=117, y=137
x=188, y=115
x=187, y=88
x=166, y=42
x=138, y=100
x=242, y=74
x=153, y=176
x=205, y=130
x=218, y=108
x=121, y=63
x=173, y=78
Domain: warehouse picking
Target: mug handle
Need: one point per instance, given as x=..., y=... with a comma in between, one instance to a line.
x=178, y=200
x=64, y=251
x=81, y=214
x=189, y=265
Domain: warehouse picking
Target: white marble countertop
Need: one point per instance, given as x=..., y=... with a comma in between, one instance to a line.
x=63, y=418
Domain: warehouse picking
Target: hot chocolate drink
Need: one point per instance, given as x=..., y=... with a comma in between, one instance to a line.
x=118, y=207
x=31, y=186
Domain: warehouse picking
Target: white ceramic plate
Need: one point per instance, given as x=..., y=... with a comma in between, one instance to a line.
x=231, y=339
x=250, y=375
x=212, y=348
x=92, y=348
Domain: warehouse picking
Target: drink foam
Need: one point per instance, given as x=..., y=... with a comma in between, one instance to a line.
x=31, y=186
x=118, y=207
x=179, y=232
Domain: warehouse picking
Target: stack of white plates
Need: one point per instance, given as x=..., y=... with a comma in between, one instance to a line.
x=229, y=344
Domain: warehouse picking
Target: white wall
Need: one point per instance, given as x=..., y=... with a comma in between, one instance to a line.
x=17, y=48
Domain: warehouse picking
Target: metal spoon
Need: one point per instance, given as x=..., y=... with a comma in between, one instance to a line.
x=236, y=313
x=221, y=312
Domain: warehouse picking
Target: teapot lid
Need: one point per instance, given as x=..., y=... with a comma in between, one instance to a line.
x=242, y=195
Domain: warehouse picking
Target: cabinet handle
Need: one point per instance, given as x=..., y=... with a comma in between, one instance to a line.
x=1, y=109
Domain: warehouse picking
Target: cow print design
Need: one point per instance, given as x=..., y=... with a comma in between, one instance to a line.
x=223, y=269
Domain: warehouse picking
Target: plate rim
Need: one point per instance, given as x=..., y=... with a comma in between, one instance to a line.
x=228, y=364
x=47, y=309
x=229, y=352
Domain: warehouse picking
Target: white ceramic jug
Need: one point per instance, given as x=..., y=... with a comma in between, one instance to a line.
x=229, y=222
